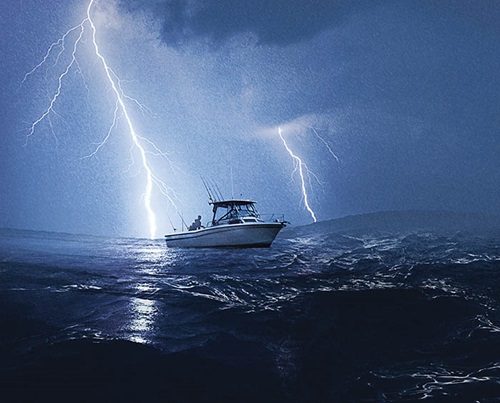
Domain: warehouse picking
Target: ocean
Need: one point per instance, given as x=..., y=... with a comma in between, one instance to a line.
x=383, y=307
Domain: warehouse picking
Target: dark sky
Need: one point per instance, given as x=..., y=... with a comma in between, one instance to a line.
x=406, y=95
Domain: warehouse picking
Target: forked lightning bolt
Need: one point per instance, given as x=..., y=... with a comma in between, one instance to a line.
x=326, y=145
x=61, y=77
x=120, y=111
x=300, y=166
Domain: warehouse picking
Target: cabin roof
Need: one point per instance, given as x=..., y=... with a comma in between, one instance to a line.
x=231, y=202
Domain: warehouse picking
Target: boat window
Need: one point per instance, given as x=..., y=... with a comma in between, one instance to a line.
x=248, y=211
x=222, y=212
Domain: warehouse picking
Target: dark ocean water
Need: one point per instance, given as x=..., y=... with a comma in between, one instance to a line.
x=375, y=308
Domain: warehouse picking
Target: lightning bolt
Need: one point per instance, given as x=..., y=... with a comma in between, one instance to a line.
x=326, y=145
x=300, y=166
x=61, y=77
x=139, y=142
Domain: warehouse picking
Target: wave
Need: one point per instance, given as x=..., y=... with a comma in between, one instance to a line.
x=384, y=307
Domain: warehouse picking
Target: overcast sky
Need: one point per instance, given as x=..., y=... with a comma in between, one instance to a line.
x=390, y=104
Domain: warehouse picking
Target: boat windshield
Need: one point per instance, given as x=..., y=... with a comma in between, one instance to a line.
x=233, y=212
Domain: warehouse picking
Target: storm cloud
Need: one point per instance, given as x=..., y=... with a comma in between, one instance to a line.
x=277, y=22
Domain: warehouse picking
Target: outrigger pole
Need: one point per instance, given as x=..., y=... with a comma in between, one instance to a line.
x=220, y=193
x=214, y=193
x=207, y=188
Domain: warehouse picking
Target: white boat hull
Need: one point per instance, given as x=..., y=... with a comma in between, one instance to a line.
x=247, y=235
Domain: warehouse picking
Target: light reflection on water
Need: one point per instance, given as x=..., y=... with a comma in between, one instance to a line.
x=142, y=318
x=151, y=260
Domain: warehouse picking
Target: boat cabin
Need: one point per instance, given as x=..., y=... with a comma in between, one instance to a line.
x=234, y=212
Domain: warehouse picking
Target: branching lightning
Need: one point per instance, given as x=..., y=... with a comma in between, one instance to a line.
x=300, y=166
x=120, y=111
x=61, y=77
x=103, y=142
x=303, y=170
x=326, y=145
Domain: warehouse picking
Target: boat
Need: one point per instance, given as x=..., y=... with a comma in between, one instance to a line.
x=235, y=224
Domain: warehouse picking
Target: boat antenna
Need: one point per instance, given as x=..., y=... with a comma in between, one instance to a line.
x=232, y=182
x=207, y=188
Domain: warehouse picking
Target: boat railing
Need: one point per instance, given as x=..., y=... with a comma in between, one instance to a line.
x=272, y=217
x=268, y=218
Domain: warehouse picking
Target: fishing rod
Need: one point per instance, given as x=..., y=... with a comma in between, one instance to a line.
x=183, y=222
